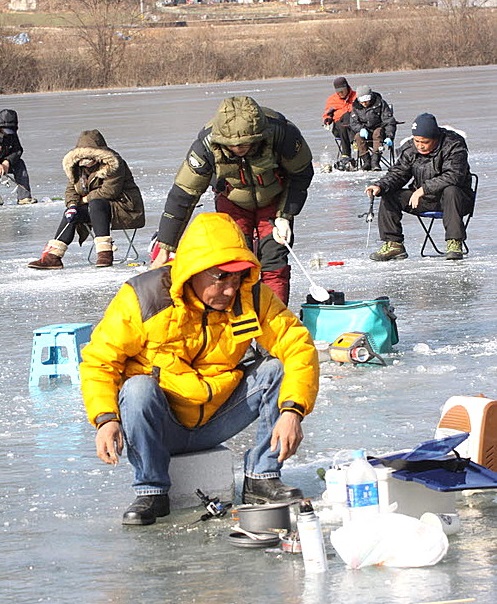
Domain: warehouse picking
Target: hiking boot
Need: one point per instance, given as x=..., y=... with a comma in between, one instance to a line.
x=104, y=259
x=454, y=249
x=375, y=162
x=145, y=509
x=26, y=201
x=47, y=262
x=366, y=162
x=390, y=250
x=269, y=490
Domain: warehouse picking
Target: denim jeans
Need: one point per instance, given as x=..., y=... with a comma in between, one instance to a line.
x=153, y=434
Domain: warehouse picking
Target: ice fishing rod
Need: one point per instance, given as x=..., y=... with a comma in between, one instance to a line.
x=8, y=181
x=369, y=216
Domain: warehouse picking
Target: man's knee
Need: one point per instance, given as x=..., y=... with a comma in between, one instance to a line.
x=138, y=390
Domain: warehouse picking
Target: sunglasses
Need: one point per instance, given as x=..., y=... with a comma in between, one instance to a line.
x=224, y=276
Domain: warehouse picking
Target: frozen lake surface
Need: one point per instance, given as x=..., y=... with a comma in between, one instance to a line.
x=62, y=538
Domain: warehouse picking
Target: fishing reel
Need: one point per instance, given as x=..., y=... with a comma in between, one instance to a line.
x=353, y=347
x=214, y=507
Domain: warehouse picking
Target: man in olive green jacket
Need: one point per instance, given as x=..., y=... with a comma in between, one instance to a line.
x=260, y=168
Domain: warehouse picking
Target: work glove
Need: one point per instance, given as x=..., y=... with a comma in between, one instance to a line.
x=71, y=213
x=363, y=133
x=388, y=142
x=282, y=231
x=328, y=121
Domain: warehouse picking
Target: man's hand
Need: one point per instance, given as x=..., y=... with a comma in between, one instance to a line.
x=282, y=231
x=288, y=433
x=415, y=197
x=161, y=259
x=110, y=442
x=372, y=190
x=4, y=167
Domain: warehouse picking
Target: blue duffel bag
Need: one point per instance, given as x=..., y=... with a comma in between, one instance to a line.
x=374, y=317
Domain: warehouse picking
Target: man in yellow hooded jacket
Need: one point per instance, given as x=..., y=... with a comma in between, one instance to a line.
x=164, y=369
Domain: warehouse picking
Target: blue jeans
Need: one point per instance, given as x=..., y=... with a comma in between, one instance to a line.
x=153, y=434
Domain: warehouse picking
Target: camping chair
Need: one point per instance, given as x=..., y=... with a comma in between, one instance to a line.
x=387, y=158
x=130, y=255
x=427, y=220
x=352, y=165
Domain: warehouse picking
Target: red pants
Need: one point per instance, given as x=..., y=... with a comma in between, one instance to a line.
x=258, y=232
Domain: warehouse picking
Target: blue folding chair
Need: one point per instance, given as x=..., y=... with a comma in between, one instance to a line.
x=427, y=220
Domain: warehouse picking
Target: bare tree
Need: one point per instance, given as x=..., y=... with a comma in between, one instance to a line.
x=103, y=25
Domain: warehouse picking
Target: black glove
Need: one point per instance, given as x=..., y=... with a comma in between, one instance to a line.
x=328, y=121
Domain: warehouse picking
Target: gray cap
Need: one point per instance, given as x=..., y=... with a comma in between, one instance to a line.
x=363, y=93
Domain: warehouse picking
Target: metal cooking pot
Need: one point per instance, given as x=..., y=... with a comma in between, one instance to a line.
x=263, y=518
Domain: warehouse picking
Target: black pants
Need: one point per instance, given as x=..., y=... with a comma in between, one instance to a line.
x=20, y=173
x=341, y=130
x=454, y=202
x=96, y=212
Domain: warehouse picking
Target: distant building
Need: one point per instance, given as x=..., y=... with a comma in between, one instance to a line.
x=22, y=5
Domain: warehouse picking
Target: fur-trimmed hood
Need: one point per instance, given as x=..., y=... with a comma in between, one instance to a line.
x=91, y=145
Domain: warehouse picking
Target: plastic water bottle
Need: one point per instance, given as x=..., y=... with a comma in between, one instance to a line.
x=336, y=491
x=311, y=539
x=362, y=487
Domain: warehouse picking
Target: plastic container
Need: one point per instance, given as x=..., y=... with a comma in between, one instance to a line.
x=362, y=487
x=311, y=539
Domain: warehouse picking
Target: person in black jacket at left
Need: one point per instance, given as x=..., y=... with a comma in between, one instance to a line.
x=372, y=119
x=10, y=155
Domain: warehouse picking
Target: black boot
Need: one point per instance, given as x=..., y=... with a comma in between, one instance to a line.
x=269, y=490
x=366, y=162
x=146, y=509
x=375, y=162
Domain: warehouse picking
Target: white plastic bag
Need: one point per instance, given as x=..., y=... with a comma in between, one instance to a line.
x=389, y=540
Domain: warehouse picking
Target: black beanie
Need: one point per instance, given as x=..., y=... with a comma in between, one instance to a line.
x=425, y=125
x=340, y=83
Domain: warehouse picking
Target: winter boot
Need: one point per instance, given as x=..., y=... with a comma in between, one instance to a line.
x=105, y=254
x=375, y=162
x=454, y=249
x=366, y=162
x=26, y=201
x=390, y=250
x=51, y=257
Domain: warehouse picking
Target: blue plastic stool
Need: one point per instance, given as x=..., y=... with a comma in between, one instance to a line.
x=57, y=351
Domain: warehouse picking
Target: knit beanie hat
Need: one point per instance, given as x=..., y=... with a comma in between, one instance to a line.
x=340, y=84
x=425, y=125
x=363, y=94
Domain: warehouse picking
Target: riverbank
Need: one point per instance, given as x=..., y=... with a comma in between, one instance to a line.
x=212, y=43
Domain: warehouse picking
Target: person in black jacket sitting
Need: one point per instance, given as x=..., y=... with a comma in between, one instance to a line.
x=371, y=119
x=10, y=155
x=434, y=162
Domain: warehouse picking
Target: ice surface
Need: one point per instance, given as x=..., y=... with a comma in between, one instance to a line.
x=61, y=508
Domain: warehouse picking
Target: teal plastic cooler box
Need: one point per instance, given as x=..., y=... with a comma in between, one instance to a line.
x=374, y=317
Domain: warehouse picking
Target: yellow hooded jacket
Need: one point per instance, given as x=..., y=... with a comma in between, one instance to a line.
x=156, y=325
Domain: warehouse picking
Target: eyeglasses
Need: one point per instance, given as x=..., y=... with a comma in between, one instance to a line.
x=226, y=277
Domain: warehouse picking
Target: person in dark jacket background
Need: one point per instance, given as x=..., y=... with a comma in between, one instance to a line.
x=100, y=193
x=371, y=119
x=436, y=161
x=260, y=168
x=10, y=155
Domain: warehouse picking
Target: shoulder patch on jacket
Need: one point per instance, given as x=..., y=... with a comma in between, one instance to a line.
x=195, y=161
x=152, y=291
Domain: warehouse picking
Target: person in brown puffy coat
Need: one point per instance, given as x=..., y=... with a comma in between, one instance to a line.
x=100, y=193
